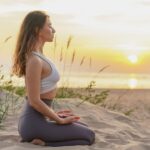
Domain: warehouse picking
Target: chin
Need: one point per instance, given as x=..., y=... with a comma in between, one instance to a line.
x=50, y=40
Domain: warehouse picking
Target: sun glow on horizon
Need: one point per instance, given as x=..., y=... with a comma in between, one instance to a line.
x=133, y=58
x=114, y=33
x=132, y=83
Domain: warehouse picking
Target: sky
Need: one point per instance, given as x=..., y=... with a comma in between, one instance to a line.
x=111, y=32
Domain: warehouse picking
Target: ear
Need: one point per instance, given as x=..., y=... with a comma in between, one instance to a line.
x=39, y=32
x=36, y=30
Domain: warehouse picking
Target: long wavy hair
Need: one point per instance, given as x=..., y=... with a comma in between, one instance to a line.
x=27, y=37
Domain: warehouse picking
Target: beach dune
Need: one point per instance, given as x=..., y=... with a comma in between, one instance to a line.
x=114, y=130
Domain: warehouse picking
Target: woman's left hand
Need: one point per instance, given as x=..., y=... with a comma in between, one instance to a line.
x=65, y=113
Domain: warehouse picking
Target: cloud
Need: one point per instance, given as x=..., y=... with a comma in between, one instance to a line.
x=144, y=3
x=9, y=6
x=26, y=2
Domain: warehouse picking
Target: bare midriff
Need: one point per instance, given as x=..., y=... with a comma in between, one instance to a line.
x=48, y=95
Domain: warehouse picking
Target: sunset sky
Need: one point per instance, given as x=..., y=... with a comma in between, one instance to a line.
x=112, y=32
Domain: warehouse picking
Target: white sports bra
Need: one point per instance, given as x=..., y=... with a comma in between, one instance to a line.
x=50, y=82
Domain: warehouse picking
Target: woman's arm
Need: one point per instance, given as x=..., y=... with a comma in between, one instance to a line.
x=33, y=77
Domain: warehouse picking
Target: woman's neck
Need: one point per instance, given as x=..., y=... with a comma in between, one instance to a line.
x=39, y=46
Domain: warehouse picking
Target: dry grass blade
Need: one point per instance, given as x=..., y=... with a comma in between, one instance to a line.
x=7, y=39
x=69, y=41
x=103, y=68
x=82, y=60
x=73, y=56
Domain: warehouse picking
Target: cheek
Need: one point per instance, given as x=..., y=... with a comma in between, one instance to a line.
x=48, y=32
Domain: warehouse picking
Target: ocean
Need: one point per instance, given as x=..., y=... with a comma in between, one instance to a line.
x=101, y=80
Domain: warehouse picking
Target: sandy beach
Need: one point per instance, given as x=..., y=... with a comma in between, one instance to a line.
x=120, y=123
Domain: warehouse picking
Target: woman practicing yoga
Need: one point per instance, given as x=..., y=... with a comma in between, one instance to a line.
x=38, y=122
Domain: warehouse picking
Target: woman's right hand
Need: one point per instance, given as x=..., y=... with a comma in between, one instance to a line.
x=69, y=119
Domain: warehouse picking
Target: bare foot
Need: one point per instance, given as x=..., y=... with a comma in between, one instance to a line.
x=38, y=142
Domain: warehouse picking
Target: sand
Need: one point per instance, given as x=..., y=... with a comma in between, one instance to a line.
x=114, y=130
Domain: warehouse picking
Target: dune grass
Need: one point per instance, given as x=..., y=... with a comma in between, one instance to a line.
x=63, y=92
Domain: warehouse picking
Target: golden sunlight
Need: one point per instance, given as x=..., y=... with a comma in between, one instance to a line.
x=133, y=58
x=132, y=83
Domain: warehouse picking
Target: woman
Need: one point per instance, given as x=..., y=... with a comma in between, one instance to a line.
x=39, y=123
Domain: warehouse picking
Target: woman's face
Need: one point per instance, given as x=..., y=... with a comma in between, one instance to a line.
x=47, y=32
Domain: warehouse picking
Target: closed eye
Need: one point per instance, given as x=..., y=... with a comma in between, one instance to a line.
x=50, y=25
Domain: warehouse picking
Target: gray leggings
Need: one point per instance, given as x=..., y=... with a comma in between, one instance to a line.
x=32, y=124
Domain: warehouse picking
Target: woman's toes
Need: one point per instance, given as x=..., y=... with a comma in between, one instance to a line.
x=38, y=142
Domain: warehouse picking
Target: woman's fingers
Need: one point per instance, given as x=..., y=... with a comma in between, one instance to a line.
x=72, y=118
x=76, y=118
x=69, y=119
x=65, y=115
x=65, y=112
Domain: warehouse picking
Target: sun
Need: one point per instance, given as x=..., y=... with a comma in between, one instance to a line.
x=133, y=58
x=133, y=83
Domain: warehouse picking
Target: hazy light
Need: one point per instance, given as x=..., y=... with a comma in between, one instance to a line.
x=133, y=58
x=132, y=83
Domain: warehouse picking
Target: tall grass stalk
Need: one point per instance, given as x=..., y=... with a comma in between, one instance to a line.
x=8, y=99
x=64, y=63
x=71, y=63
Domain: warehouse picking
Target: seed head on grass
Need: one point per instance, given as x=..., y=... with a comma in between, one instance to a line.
x=82, y=60
x=103, y=68
x=69, y=41
x=7, y=39
x=73, y=56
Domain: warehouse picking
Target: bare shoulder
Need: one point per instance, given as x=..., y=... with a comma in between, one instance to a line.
x=33, y=60
x=33, y=65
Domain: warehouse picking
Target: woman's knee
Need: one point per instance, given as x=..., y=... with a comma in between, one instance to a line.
x=92, y=137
